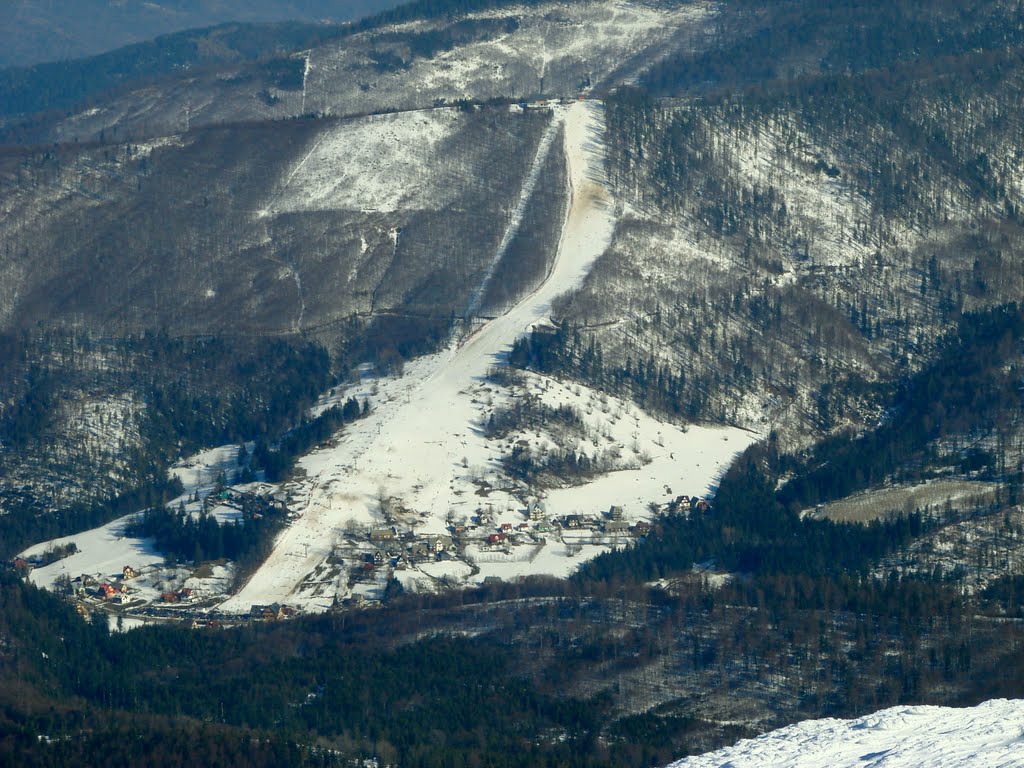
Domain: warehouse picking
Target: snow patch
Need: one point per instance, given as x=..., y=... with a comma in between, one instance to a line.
x=990, y=735
x=373, y=164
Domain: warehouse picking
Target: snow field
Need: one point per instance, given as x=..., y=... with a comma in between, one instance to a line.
x=420, y=457
x=105, y=551
x=990, y=735
x=102, y=553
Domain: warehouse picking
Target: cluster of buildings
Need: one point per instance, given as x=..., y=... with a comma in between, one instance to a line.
x=391, y=547
x=113, y=590
x=686, y=504
x=403, y=549
x=272, y=612
x=116, y=589
x=611, y=523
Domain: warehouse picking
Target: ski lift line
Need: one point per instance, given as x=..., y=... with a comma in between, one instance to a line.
x=526, y=194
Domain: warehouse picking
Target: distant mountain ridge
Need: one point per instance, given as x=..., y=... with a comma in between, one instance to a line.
x=38, y=31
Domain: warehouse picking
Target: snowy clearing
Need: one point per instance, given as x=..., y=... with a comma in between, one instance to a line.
x=374, y=164
x=102, y=553
x=200, y=472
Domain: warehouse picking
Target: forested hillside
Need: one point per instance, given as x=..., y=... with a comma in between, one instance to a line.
x=642, y=657
x=795, y=240
x=414, y=57
x=817, y=235
x=39, y=31
x=166, y=274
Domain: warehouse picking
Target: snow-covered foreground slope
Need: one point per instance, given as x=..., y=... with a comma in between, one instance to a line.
x=990, y=735
x=422, y=451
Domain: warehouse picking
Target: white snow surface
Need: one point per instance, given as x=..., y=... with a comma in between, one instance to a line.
x=990, y=735
x=422, y=446
x=374, y=163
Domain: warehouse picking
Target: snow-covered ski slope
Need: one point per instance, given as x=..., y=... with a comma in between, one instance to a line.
x=990, y=735
x=422, y=450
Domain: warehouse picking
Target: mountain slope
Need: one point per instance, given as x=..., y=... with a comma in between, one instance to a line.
x=210, y=229
x=413, y=62
x=36, y=31
x=369, y=234
x=789, y=247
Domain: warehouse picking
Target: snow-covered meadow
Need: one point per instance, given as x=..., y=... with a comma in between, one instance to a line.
x=374, y=164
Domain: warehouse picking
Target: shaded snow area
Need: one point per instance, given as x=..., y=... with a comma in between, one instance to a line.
x=990, y=735
x=372, y=164
x=885, y=502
